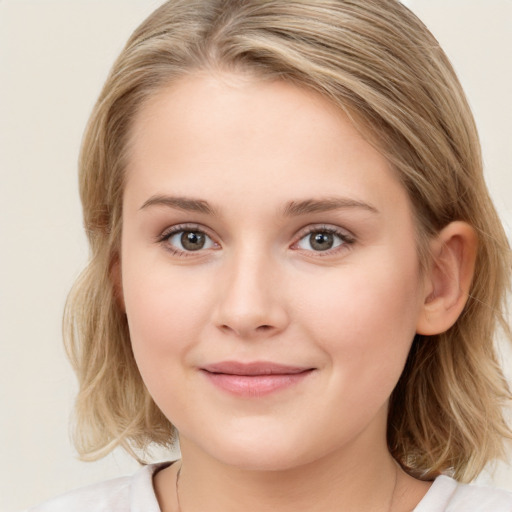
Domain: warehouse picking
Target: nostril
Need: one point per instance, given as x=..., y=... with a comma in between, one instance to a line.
x=229, y=329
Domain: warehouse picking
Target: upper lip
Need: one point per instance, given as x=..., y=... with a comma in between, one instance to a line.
x=253, y=368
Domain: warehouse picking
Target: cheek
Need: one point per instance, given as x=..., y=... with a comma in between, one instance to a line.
x=366, y=321
x=164, y=318
x=165, y=311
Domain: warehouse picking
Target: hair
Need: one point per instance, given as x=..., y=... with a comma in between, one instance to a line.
x=377, y=62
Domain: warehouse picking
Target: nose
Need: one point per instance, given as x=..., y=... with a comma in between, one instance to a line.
x=251, y=297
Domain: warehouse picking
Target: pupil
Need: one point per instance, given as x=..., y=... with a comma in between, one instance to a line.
x=321, y=241
x=192, y=241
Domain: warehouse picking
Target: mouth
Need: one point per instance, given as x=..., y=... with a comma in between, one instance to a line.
x=254, y=379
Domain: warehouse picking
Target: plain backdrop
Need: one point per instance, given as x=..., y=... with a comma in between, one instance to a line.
x=54, y=57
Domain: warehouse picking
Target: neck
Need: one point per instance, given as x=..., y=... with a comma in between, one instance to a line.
x=338, y=482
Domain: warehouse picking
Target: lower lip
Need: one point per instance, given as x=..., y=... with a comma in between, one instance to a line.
x=255, y=385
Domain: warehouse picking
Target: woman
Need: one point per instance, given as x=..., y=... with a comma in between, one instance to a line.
x=296, y=268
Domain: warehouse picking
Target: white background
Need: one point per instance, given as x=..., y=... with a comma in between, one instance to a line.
x=54, y=57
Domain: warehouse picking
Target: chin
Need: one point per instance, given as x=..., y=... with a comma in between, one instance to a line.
x=257, y=454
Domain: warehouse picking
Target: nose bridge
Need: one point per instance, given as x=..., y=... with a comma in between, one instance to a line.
x=250, y=301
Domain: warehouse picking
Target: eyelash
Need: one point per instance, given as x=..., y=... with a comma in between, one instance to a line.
x=346, y=239
x=182, y=228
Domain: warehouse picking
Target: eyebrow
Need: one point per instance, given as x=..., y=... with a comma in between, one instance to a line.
x=296, y=208
x=292, y=209
x=180, y=203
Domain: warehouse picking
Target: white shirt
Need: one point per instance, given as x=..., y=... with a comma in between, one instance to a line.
x=136, y=494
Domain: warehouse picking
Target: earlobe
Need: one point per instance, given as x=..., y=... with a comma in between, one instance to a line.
x=453, y=255
x=117, y=282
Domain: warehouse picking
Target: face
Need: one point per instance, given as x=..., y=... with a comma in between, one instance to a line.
x=269, y=272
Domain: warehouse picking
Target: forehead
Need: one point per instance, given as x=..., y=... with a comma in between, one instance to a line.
x=225, y=132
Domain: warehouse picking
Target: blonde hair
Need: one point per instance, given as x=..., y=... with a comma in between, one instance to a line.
x=376, y=61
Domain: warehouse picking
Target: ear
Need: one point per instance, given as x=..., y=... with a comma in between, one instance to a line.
x=117, y=282
x=453, y=255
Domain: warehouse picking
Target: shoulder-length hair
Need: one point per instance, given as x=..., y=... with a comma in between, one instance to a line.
x=378, y=63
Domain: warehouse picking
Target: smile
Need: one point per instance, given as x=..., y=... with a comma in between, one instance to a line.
x=254, y=379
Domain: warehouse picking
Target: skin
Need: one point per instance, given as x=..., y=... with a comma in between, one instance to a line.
x=259, y=291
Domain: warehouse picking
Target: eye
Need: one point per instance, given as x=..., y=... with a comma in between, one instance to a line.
x=324, y=239
x=187, y=240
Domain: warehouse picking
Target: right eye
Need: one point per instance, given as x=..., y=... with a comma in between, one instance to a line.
x=182, y=240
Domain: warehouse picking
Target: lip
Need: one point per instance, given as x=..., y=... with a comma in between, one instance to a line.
x=254, y=379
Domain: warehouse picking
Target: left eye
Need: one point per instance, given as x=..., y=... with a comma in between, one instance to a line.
x=321, y=240
x=189, y=241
